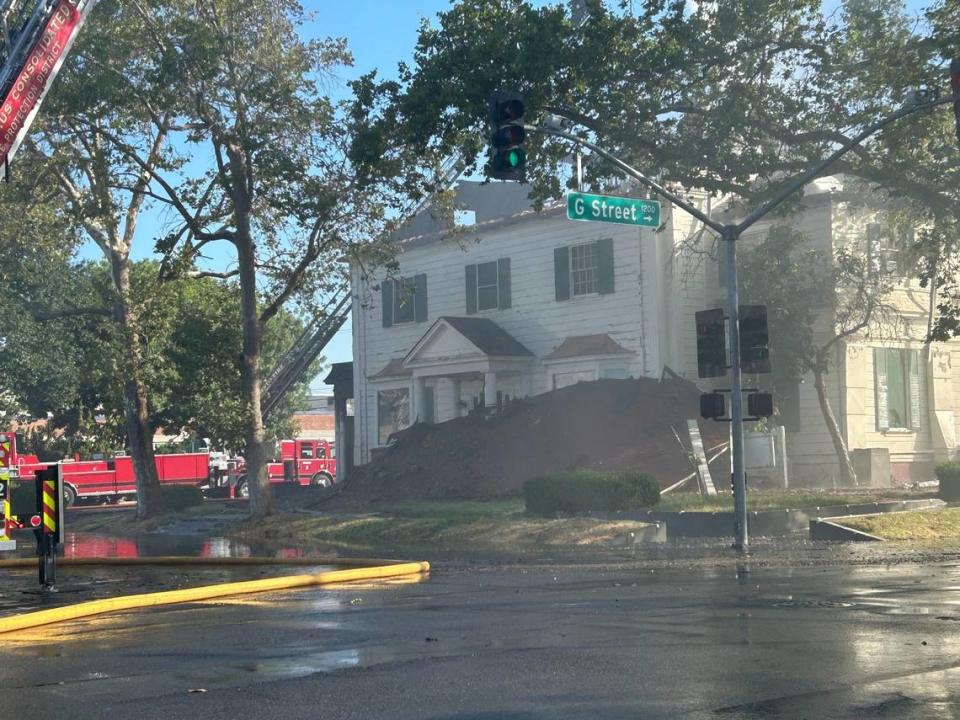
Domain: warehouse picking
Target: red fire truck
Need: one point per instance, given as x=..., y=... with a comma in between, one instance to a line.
x=113, y=479
x=304, y=462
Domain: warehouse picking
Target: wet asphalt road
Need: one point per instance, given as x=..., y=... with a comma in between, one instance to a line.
x=487, y=642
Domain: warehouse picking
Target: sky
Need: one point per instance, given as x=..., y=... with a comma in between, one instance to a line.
x=379, y=33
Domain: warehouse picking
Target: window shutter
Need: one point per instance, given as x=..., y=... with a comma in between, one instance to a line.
x=915, y=390
x=605, y=266
x=420, y=298
x=561, y=272
x=386, y=295
x=880, y=387
x=503, y=283
x=471, y=289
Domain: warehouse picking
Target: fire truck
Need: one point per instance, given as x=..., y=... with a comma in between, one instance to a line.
x=305, y=462
x=113, y=479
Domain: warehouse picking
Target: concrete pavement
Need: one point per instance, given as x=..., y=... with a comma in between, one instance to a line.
x=520, y=642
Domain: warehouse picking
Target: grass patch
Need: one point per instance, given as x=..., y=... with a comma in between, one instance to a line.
x=779, y=499
x=925, y=525
x=499, y=525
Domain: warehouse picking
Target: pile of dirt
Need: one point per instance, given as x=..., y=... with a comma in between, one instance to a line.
x=603, y=425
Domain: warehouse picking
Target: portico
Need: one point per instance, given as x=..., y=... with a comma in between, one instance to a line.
x=462, y=363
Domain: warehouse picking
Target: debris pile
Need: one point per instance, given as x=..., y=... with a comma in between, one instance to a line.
x=602, y=425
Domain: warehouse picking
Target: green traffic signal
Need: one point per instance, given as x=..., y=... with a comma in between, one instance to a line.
x=507, y=158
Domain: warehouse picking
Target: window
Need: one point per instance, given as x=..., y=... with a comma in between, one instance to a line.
x=404, y=300
x=885, y=248
x=584, y=275
x=306, y=451
x=404, y=292
x=488, y=286
x=321, y=452
x=565, y=379
x=897, y=383
x=584, y=269
x=393, y=413
x=614, y=374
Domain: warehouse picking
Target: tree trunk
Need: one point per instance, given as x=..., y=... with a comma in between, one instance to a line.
x=255, y=454
x=848, y=476
x=135, y=407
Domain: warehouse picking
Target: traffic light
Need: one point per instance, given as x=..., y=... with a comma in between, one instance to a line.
x=754, y=339
x=760, y=404
x=955, y=86
x=507, y=158
x=712, y=406
x=711, y=344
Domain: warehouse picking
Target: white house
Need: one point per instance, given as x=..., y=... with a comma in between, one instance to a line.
x=517, y=304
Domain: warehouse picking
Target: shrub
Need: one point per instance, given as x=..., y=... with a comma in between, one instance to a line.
x=583, y=490
x=181, y=497
x=948, y=474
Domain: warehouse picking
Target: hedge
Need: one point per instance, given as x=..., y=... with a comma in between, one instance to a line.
x=948, y=474
x=577, y=491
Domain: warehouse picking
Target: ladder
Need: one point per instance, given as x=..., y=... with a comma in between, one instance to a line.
x=291, y=366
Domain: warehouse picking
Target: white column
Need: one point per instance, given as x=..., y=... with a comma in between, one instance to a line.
x=419, y=388
x=490, y=389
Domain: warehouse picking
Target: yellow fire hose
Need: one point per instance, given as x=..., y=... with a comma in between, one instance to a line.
x=207, y=592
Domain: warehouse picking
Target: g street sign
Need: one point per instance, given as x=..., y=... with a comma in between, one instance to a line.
x=606, y=208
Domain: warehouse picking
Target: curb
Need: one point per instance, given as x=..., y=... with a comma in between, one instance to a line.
x=821, y=529
x=206, y=592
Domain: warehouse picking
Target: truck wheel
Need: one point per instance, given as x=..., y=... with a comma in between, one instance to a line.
x=69, y=496
x=243, y=490
x=322, y=479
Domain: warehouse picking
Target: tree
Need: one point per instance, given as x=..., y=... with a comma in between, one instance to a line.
x=277, y=180
x=816, y=300
x=106, y=190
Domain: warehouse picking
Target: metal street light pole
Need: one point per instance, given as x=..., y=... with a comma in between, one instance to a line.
x=730, y=234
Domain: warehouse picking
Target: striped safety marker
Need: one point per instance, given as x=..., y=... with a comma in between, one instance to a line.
x=4, y=505
x=49, y=507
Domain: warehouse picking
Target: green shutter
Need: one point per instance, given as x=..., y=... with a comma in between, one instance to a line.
x=915, y=390
x=420, y=298
x=561, y=272
x=880, y=387
x=471, y=289
x=386, y=294
x=503, y=283
x=605, y=266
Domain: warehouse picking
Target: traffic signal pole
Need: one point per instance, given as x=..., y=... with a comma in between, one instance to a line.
x=729, y=235
x=741, y=540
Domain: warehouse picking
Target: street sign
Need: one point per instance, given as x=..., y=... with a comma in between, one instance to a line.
x=607, y=208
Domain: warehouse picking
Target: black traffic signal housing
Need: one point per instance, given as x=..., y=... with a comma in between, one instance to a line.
x=711, y=344
x=955, y=87
x=760, y=404
x=754, y=339
x=712, y=406
x=508, y=160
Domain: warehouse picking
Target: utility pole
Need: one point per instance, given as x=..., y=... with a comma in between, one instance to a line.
x=729, y=235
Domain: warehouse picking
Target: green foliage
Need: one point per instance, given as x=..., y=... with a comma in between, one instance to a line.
x=583, y=490
x=178, y=498
x=948, y=471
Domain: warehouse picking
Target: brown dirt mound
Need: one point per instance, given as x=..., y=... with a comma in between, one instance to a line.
x=603, y=425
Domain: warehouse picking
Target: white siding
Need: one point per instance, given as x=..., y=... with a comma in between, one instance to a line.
x=535, y=318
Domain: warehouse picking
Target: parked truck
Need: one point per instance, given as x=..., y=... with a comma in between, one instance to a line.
x=113, y=479
x=304, y=462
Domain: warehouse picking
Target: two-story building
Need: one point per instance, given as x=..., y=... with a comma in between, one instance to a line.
x=517, y=302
